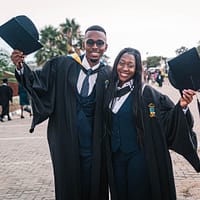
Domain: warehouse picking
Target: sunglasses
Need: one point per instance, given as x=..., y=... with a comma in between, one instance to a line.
x=99, y=43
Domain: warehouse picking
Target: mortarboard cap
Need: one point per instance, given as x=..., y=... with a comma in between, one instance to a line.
x=20, y=33
x=184, y=70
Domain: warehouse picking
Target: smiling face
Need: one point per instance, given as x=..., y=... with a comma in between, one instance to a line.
x=126, y=68
x=95, y=45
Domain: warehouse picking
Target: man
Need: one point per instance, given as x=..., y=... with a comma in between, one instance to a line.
x=75, y=127
x=6, y=94
x=159, y=79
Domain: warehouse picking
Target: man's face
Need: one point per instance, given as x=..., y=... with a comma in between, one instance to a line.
x=95, y=45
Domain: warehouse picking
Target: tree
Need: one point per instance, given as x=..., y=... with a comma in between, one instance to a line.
x=65, y=39
x=5, y=62
x=71, y=30
x=4, y=58
x=153, y=61
x=181, y=50
x=50, y=38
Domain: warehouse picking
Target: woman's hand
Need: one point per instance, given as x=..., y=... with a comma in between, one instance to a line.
x=187, y=97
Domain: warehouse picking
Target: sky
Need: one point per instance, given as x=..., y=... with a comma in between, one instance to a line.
x=154, y=27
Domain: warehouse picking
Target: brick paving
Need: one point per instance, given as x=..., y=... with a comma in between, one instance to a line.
x=25, y=167
x=26, y=170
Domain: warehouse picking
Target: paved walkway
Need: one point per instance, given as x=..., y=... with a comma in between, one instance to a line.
x=25, y=167
x=26, y=170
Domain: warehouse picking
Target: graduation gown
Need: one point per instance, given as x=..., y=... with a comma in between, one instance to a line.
x=53, y=90
x=6, y=94
x=165, y=127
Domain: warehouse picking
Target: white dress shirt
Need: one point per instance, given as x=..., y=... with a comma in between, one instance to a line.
x=82, y=75
x=118, y=101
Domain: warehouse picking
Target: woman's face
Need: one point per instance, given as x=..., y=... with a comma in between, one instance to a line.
x=126, y=67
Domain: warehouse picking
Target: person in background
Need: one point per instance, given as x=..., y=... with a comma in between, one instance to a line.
x=69, y=92
x=159, y=79
x=6, y=94
x=141, y=126
x=24, y=101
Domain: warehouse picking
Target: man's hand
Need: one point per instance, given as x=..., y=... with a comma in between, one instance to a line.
x=187, y=97
x=17, y=58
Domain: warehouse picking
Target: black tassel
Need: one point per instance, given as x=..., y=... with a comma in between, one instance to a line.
x=31, y=130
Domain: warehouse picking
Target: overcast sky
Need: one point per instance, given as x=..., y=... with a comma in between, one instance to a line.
x=158, y=27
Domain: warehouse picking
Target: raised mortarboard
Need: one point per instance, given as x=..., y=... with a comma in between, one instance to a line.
x=184, y=70
x=20, y=33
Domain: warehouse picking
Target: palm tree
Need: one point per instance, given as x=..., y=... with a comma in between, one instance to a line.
x=50, y=38
x=65, y=39
x=59, y=41
x=71, y=30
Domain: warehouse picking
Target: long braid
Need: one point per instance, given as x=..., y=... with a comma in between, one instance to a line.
x=137, y=99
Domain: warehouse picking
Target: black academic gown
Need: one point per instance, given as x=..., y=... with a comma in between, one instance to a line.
x=167, y=128
x=6, y=94
x=53, y=91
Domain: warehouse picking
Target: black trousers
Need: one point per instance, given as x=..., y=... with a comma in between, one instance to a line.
x=130, y=175
x=86, y=166
x=5, y=110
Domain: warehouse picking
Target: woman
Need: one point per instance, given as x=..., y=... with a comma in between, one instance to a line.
x=24, y=101
x=142, y=125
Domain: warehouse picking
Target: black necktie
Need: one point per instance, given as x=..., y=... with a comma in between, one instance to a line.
x=85, y=85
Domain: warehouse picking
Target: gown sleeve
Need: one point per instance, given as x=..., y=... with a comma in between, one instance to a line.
x=40, y=85
x=178, y=129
